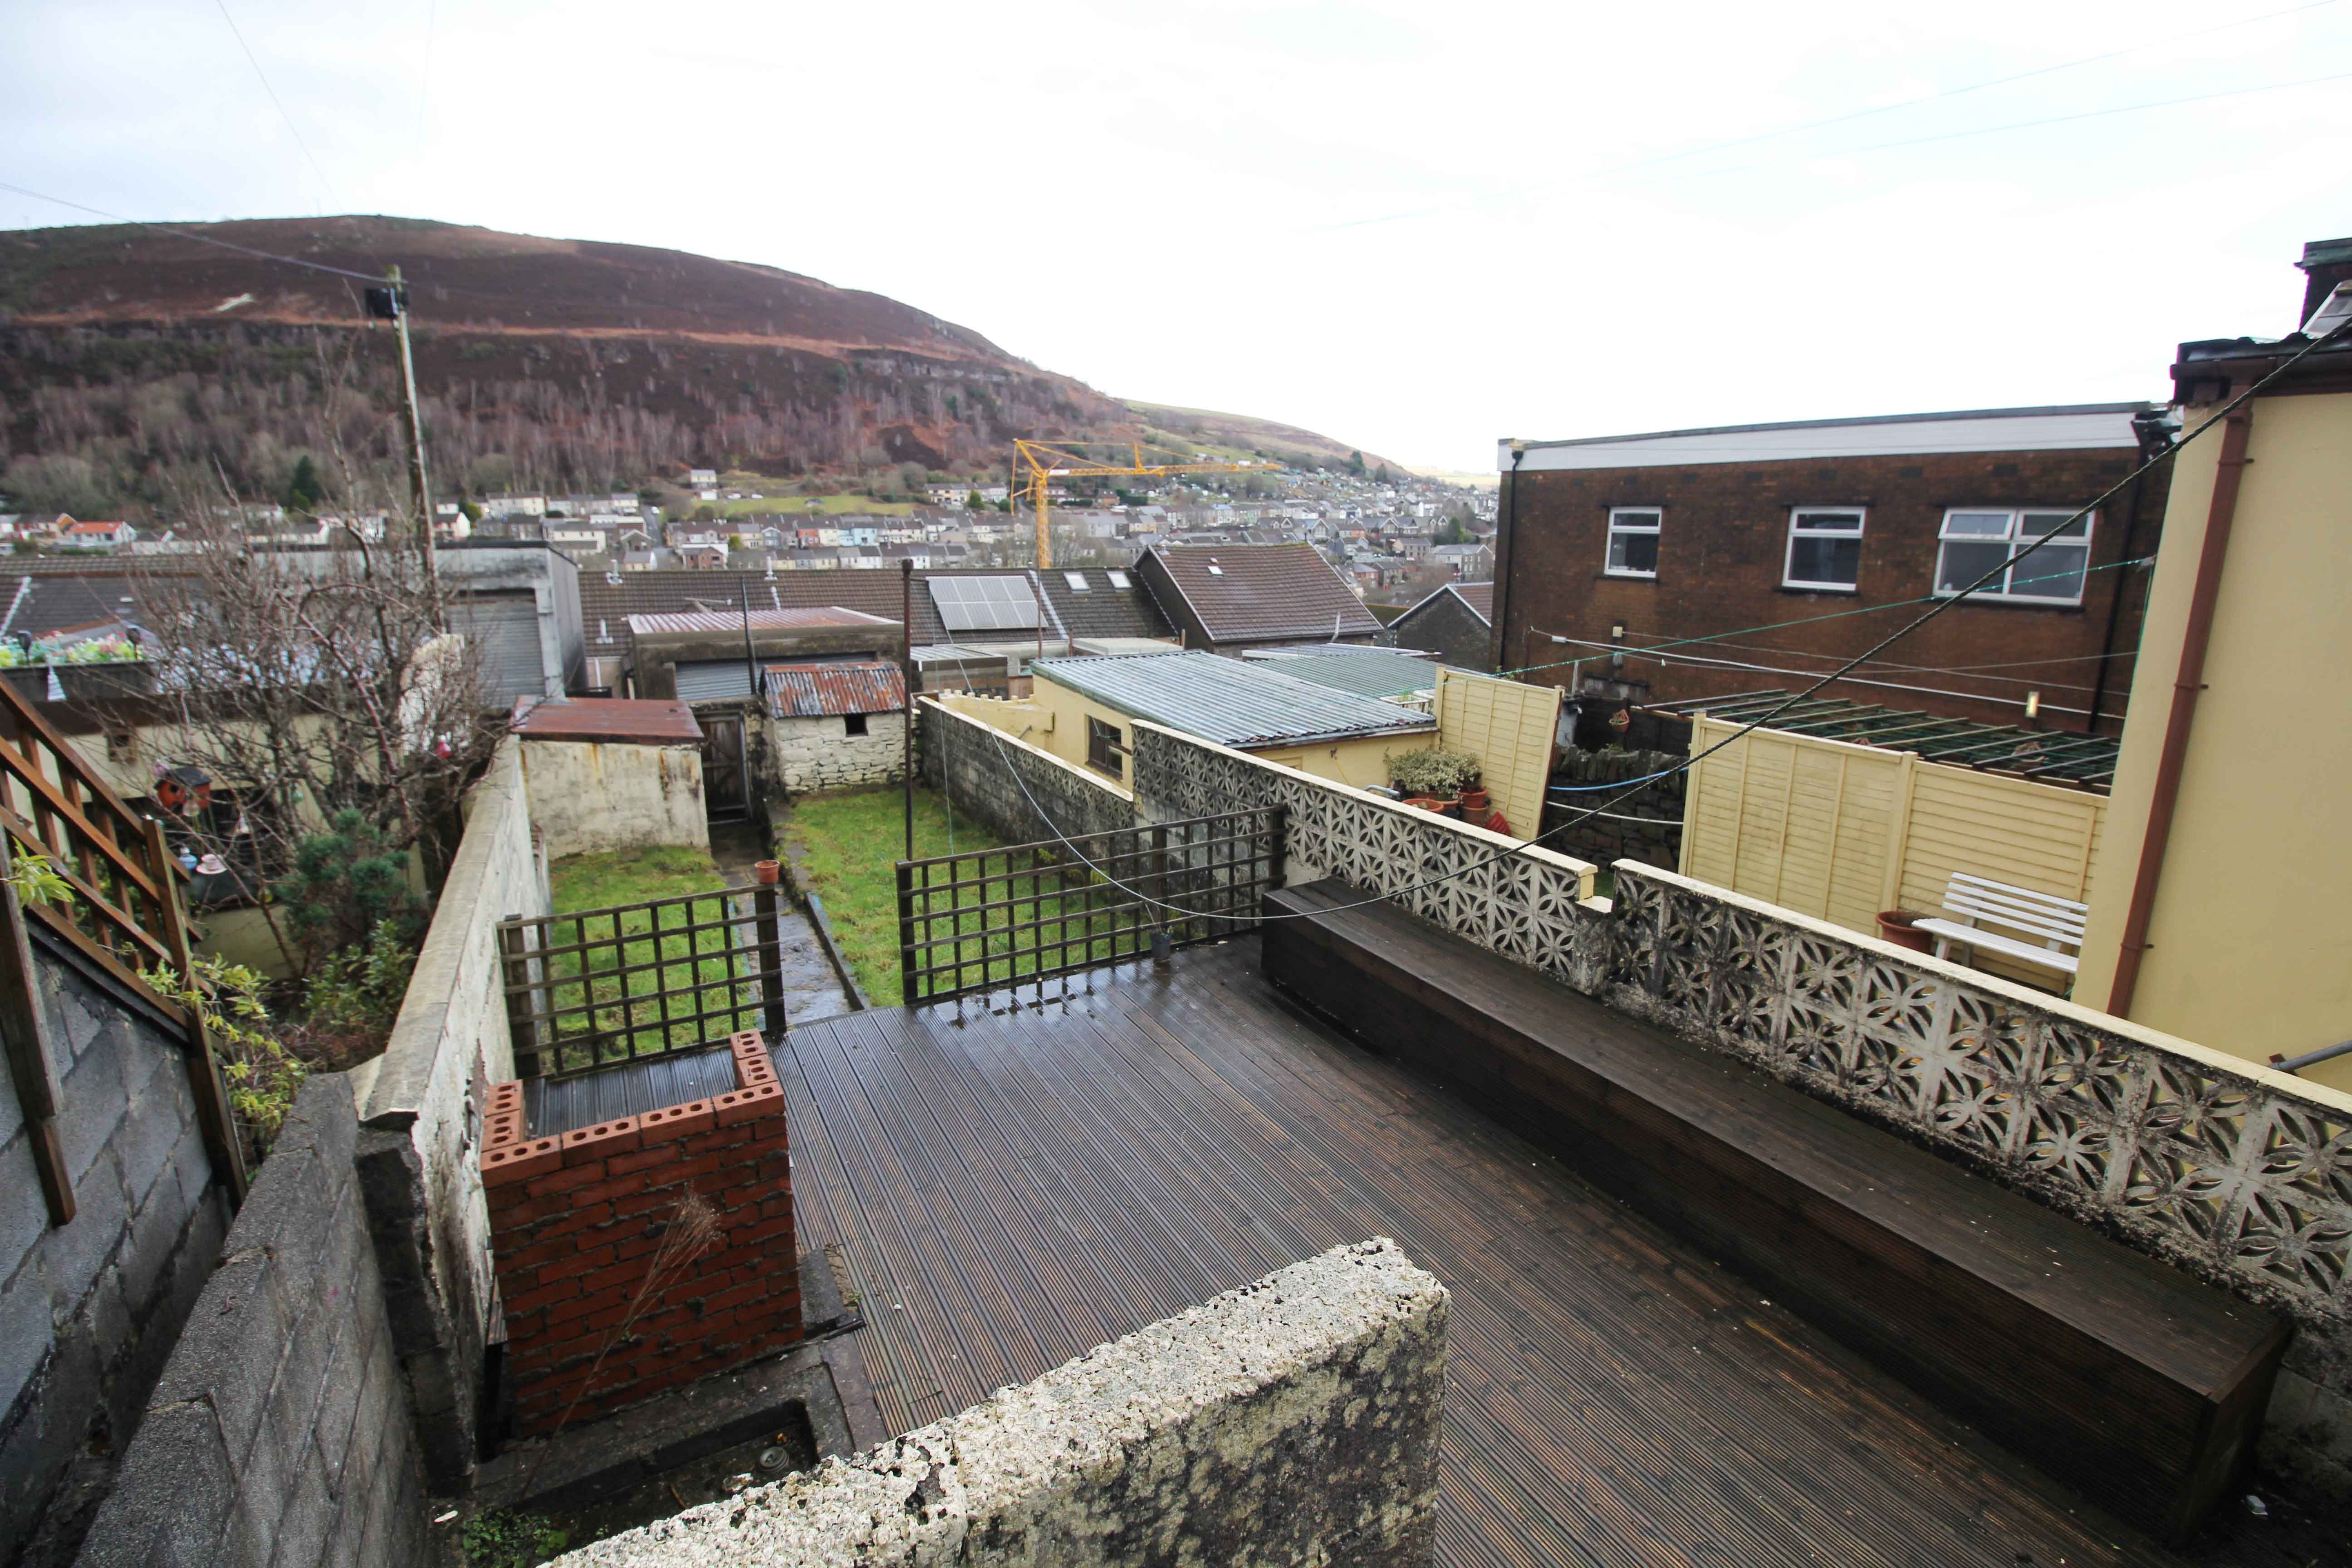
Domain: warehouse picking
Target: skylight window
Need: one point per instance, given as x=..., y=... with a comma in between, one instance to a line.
x=1216, y=571
x=1077, y=582
x=1119, y=580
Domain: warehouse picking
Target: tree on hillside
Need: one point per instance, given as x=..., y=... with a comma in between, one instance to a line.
x=1356, y=464
x=304, y=490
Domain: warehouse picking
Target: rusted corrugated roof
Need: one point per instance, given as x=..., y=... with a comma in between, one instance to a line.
x=760, y=620
x=819, y=691
x=622, y=719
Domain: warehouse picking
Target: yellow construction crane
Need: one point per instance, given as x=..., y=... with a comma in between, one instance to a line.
x=1048, y=462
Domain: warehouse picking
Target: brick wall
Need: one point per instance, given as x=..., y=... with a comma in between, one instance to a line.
x=575, y=1222
x=89, y=1310
x=279, y=1430
x=1722, y=549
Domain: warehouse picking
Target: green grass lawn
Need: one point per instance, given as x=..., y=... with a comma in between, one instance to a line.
x=851, y=843
x=632, y=1010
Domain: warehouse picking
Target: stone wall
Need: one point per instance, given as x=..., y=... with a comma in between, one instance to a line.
x=1294, y=1421
x=420, y=1114
x=279, y=1430
x=975, y=766
x=805, y=754
x=89, y=1309
x=1646, y=827
x=591, y=795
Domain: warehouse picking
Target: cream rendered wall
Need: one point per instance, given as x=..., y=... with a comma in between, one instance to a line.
x=1055, y=718
x=592, y=796
x=2252, y=917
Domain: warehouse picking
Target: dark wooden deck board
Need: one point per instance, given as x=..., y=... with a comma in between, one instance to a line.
x=1013, y=1185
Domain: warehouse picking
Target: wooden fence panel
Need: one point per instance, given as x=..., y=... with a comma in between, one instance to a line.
x=1511, y=728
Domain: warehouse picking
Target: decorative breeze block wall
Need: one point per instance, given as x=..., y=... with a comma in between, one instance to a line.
x=576, y=1221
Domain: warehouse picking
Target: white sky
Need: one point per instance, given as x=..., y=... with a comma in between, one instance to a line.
x=1170, y=202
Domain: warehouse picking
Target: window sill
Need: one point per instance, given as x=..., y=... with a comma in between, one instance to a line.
x=1809, y=588
x=1990, y=601
x=1627, y=576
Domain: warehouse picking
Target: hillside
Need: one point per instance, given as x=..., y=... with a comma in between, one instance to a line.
x=1238, y=435
x=132, y=362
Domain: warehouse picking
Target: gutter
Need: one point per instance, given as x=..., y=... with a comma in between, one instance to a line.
x=2236, y=430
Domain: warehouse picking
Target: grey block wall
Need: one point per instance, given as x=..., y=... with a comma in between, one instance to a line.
x=280, y=1431
x=89, y=1309
x=959, y=759
x=1656, y=839
x=1294, y=1421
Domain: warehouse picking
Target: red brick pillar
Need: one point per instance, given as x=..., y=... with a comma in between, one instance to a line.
x=576, y=1223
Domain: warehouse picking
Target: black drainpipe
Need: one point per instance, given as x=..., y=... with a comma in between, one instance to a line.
x=1507, y=529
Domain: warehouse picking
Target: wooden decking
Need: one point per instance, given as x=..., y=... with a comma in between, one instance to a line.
x=1014, y=1185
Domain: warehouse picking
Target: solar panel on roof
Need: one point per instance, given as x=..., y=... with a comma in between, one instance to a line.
x=984, y=603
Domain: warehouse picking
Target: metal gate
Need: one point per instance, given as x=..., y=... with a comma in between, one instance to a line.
x=993, y=917
x=587, y=988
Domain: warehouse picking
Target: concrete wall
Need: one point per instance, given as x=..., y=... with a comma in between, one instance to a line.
x=420, y=1114
x=805, y=754
x=280, y=1431
x=89, y=1309
x=1656, y=841
x=2246, y=951
x=592, y=796
x=975, y=765
x=1293, y=1421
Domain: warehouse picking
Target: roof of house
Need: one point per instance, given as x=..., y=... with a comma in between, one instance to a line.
x=1105, y=610
x=820, y=691
x=1226, y=700
x=1366, y=671
x=621, y=719
x=757, y=619
x=1240, y=592
x=2093, y=426
x=1479, y=596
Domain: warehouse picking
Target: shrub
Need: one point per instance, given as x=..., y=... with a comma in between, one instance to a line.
x=1432, y=772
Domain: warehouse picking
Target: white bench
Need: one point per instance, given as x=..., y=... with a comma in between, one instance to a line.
x=1980, y=903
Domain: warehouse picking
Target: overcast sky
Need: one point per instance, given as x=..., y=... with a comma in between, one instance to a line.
x=1412, y=227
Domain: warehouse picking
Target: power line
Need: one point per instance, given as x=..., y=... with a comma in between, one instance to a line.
x=1528, y=191
x=184, y=234
x=1744, y=730
x=294, y=129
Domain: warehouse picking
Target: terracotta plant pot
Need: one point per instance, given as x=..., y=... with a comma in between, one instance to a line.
x=1475, y=804
x=1426, y=804
x=766, y=871
x=1894, y=926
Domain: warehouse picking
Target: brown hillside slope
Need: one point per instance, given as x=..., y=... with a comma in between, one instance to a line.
x=133, y=361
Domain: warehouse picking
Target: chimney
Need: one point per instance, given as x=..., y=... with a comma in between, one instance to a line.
x=2326, y=263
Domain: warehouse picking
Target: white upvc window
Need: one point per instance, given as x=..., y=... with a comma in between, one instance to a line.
x=1633, y=541
x=1975, y=539
x=1824, y=548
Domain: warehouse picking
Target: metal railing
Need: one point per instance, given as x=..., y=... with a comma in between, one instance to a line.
x=991, y=917
x=588, y=988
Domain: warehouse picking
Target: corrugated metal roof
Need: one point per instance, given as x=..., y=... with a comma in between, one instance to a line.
x=605, y=719
x=760, y=620
x=819, y=691
x=1226, y=700
x=714, y=680
x=1367, y=672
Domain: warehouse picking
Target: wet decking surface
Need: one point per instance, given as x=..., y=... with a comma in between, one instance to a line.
x=1014, y=1184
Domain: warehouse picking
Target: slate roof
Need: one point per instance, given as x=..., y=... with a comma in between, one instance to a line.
x=1261, y=591
x=1103, y=611
x=1228, y=701
x=1479, y=596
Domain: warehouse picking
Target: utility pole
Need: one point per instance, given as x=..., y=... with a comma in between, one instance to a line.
x=907, y=671
x=390, y=304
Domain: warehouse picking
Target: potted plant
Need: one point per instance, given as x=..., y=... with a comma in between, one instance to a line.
x=1434, y=775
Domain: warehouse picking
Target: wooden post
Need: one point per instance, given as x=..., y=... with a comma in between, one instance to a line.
x=1277, y=847
x=514, y=980
x=772, y=957
x=907, y=934
x=23, y=1029
x=213, y=1117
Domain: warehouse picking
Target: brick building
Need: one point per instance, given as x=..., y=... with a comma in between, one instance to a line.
x=1456, y=624
x=1625, y=542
